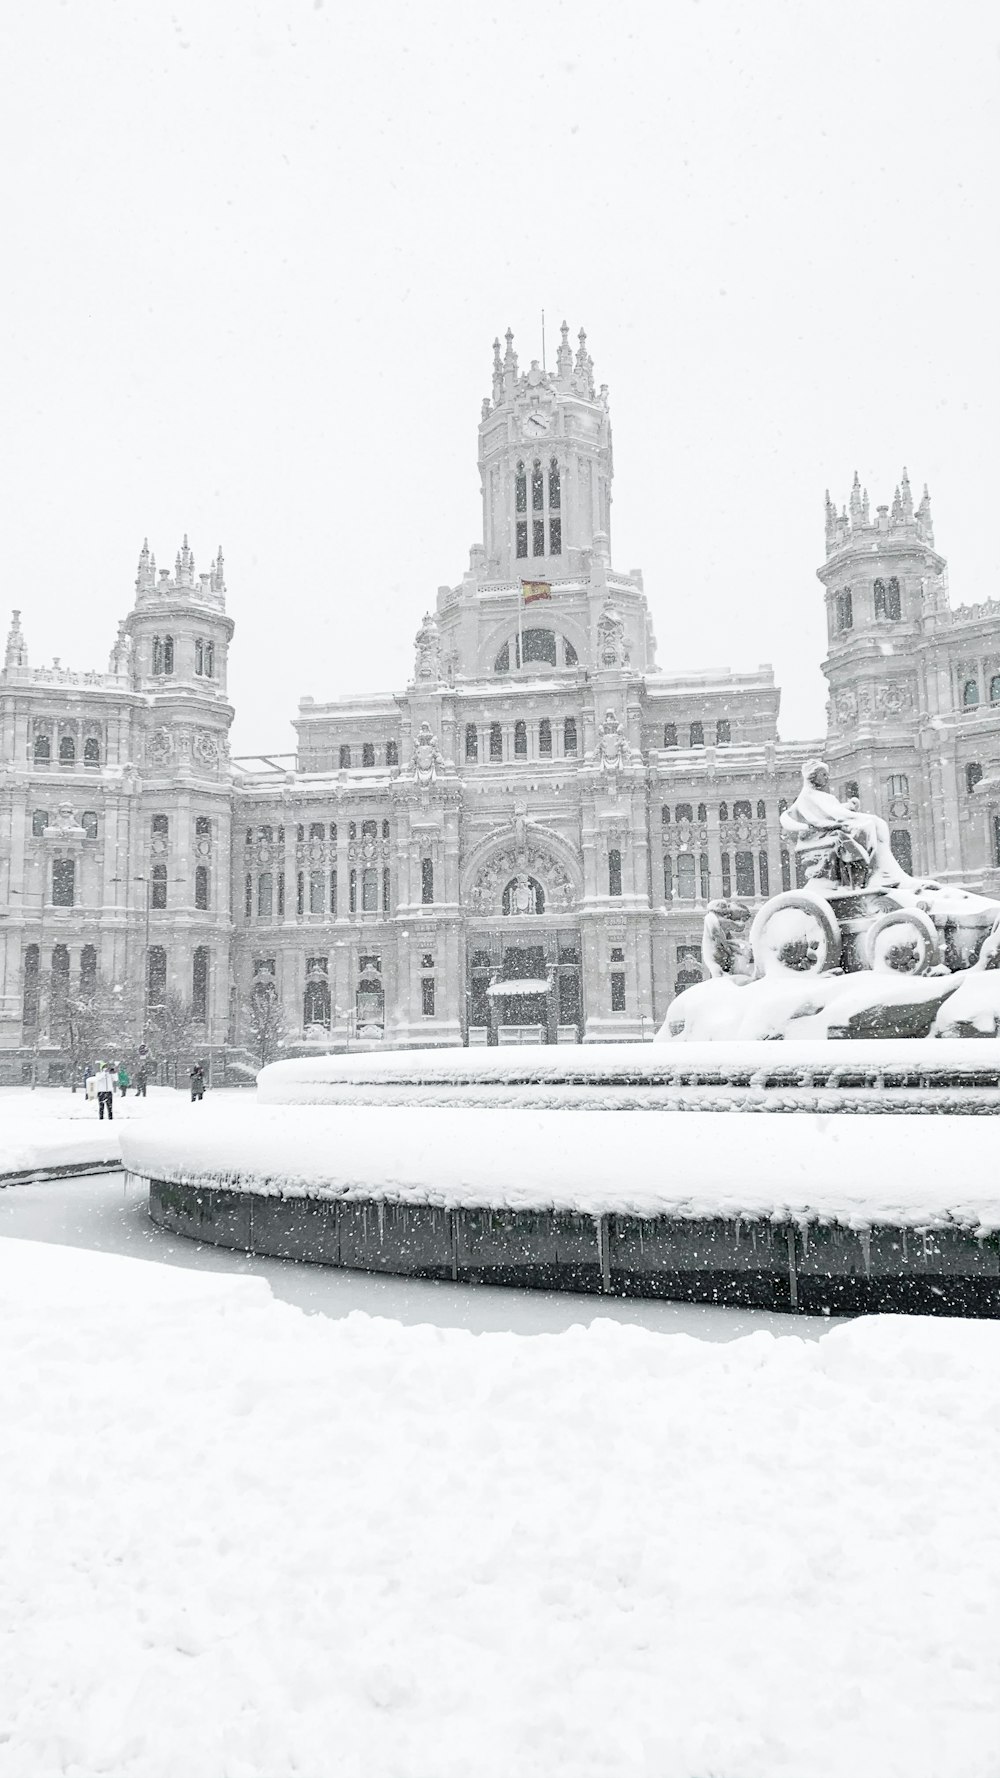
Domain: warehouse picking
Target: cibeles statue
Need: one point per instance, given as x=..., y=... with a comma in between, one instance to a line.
x=836, y=841
x=862, y=949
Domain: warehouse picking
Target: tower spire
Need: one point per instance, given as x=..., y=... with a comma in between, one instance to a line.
x=906, y=496
x=497, y=373
x=564, y=355
x=584, y=378
x=856, y=502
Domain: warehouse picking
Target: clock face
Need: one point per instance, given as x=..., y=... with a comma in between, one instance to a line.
x=536, y=425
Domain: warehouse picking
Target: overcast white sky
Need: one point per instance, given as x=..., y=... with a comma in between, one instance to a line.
x=254, y=258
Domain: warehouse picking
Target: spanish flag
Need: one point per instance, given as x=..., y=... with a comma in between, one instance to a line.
x=535, y=589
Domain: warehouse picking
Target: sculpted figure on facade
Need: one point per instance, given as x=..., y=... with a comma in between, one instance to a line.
x=612, y=750
x=428, y=759
x=612, y=650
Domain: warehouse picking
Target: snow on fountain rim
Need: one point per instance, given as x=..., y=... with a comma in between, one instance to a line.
x=906, y=1171
x=304, y=1080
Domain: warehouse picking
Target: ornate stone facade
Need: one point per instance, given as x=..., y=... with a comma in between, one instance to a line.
x=543, y=805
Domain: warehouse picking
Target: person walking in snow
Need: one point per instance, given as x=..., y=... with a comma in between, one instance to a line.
x=124, y=1080
x=140, y=1079
x=197, y=1083
x=104, y=1085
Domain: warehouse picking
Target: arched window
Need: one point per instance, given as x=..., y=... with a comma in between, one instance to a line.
x=345, y=758
x=426, y=880
x=670, y=734
x=545, y=738
x=569, y=735
x=157, y=655
x=168, y=654
x=201, y=888
x=209, y=660
x=156, y=975
x=668, y=878
x=158, y=881
x=554, y=489
x=973, y=773
x=683, y=812
x=67, y=751
x=685, y=876
x=88, y=821
x=697, y=734
x=844, y=608
x=995, y=689
x=502, y=662
x=471, y=742
x=91, y=751
x=614, y=871
x=42, y=750
x=538, y=645
x=705, y=877
x=63, y=882
x=520, y=740
x=902, y=848
x=392, y=753
x=742, y=811
x=199, y=984
x=316, y=1000
x=160, y=826
x=555, y=521
x=520, y=490
x=39, y=822
x=88, y=970
x=723, y=733
x=887, y=599
x=970, y=694
x=537, y=490
x=744, y=874
x=496, y=741
x=521, y=524
x=570, y=653
x=367, y=753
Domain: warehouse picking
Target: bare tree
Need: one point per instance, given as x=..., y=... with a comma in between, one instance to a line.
x=174, y=1030
x=264, y=1021
x=95, y=1023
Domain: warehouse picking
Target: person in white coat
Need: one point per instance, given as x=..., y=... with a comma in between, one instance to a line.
x=104, y=1083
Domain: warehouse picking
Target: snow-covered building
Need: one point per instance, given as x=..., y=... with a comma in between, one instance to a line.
x=520, y=845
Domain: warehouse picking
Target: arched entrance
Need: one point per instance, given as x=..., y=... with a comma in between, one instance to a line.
x=523, y=982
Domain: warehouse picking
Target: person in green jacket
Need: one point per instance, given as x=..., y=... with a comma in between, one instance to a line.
x=124, y=1082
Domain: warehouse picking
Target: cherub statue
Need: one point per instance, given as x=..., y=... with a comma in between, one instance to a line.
x=725, y=946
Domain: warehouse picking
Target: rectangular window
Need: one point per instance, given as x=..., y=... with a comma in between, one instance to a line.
x=545, y=738
x=352, y=892
x=333, y=893
x=317, y=888
x=156, y=975
x=685, y=876
x=538, y=537
x=201, y=888
x=617, y=990
x=392, y=753
x=786, y=872
x=762, y=872
x=427, y=996
x=520, y=740
x=744, y=874
x=471, y=742
x=555, y=537
x=496, y=741
x=199, y=657
x=614, y=871
x=369, y=892
x=199, y=984
x=367, y=753
x=569, y=735
x=426, y=879
x=264, y=886
x=281, y=895
x=522, y=537
x=345, y=759
x=386, y=891
x=248, y=898
x=63, y=881
x=727, y=887
x=300, y=893
x=705, y=877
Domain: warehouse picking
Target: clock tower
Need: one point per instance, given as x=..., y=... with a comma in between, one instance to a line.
x=545, y=465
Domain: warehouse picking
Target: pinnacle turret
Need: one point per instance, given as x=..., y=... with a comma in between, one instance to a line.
x=17, y=648
x=564, y=355
x=583, y=376
x=857, y=516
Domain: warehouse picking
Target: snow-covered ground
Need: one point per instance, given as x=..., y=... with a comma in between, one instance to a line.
x=910, y=1171
x=243, y=1542
x=52, y=1126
